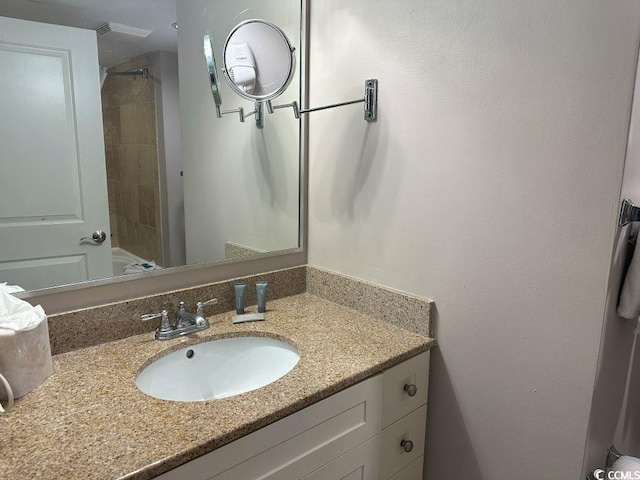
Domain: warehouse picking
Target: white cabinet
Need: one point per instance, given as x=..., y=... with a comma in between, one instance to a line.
x=413, y=471
x=404, y=418
x=403, y=442
x=361, y=463
x=298, y=444
x=405, y=388
x=340, y=437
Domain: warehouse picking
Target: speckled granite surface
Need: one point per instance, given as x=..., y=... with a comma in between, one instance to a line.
x=398, y=308
x=92, y=326
x=87, y=327
x=90, y=421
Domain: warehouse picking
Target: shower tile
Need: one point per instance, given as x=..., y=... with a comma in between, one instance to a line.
x=131, y=208
x=116, y=159
x=106, y=124
x=115, y=126
x=147, y=165
x=131, y=154
x=132, y=130
x=148, y=114
x=118, y=194
x=147, y=205
x=149, y=244
x=123, y=232
x=111, y=197
x=132, y=163
x=109, y=162
x=133, y=238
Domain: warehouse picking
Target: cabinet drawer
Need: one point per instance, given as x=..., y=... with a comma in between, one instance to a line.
x=397, y=401
x=413, y=471
x=361, y=463
x=410, y=428
x=298, y=444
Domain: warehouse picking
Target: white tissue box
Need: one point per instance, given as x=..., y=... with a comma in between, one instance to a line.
x=25, y=358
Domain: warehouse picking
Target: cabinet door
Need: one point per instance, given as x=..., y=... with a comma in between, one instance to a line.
x=298, y=444
x=361, y=463
x=410, y=428
x=413, y=471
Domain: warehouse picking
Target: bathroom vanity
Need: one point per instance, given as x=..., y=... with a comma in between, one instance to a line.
x=374, y=430
x=355, y=402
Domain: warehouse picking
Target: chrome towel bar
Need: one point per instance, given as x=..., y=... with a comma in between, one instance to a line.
x=628, y=213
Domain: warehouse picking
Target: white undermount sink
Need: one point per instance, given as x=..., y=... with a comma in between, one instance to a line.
x=217, y=369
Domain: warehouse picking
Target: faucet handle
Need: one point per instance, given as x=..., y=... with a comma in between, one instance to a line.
x=165, y=326
x=200, y=318
x=201, y=305
x=145, y=317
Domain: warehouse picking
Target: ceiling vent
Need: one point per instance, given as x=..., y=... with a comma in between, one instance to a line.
x=120, y=28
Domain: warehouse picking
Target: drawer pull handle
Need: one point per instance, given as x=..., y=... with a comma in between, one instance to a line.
x=407, y=445
x=411, y=389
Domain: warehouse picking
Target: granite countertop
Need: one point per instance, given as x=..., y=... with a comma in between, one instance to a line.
x=90, y=421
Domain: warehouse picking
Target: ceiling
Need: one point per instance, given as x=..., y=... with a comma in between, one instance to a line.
x=113, y=48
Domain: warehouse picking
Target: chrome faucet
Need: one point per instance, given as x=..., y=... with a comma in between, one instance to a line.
x=184, y=319
x=186, y=322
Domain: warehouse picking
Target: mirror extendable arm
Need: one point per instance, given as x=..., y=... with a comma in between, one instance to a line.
x=210, y=62
x=239, y=111
x=294, y=105
x=370, y=101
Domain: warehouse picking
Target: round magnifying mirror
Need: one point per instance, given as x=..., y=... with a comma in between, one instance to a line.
x=259, y=61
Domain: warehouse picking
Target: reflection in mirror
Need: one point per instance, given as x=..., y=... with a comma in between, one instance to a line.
x=248, y=176
x=210, y=58
x=259, y=61
x=90, y=143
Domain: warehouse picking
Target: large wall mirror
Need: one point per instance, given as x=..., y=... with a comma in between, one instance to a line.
x=113, y=161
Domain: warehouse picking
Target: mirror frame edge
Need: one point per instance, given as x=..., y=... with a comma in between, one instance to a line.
x=92, y=293
x=100, y=292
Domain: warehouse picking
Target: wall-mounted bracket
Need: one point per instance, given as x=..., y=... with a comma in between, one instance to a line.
x=628, y=213
x=259, y=113
x=370, y=101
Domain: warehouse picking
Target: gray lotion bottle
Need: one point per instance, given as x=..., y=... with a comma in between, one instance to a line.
x=241, y=291
x=261, y=293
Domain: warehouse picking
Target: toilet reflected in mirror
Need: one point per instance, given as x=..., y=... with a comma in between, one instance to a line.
x=259, y=60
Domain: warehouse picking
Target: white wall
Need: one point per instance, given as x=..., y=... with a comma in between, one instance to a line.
x=241, y=183
x=490, y=183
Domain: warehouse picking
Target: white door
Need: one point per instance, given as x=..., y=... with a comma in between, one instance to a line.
x=53, y=188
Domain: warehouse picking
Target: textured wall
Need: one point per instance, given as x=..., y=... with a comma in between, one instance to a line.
x=490, y=183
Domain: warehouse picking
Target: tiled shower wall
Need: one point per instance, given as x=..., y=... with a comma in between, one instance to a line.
x=128, y=105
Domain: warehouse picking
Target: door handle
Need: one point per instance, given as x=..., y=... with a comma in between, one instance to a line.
x=97, y=238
